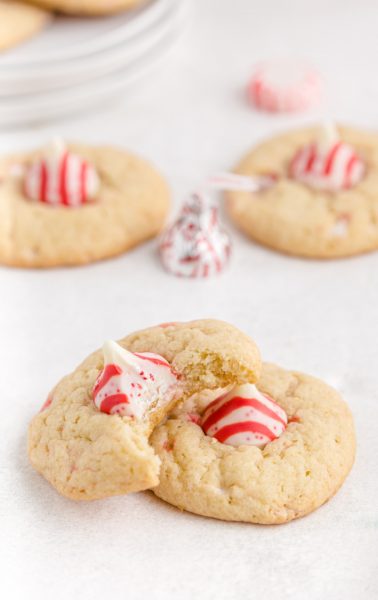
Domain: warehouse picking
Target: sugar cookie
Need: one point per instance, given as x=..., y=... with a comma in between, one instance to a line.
x=51, y=214
x=297, y=217
x=288, y=477
x=86, y=449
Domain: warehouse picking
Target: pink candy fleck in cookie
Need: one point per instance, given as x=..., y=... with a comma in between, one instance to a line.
x=193, y=418
x=244, y=416
x=341, y=226
x=294, y=419
x=167, y=446
x=130, y=383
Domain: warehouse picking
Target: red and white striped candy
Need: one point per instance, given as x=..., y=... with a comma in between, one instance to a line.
x=284, y=86
x=62, y=178
x=195, y=245
x=334, y=168
x=244, y=416
x=131, y=384
x=243, y=183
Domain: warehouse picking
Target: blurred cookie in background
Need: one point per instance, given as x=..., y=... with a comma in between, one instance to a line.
x=75, y=204
x=19, y=22
x=322, y=202
x=87, y=7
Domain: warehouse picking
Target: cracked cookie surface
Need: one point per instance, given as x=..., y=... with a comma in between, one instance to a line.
x=290, y=477
x=87, y=454
x=296, y=219
x=131, y=207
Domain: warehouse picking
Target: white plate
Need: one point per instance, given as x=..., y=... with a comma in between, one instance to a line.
x=72, y=38
x=74, y=72
x=66, y=102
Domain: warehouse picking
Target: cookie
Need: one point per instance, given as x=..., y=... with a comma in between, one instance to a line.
x=87, y=7
x=18, y=22
x=296, y=218
x=130, y=205
x=87, y=453
x=285, y=479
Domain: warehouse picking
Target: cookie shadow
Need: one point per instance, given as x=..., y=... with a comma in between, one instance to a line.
x=41, y=503
x=195, y=518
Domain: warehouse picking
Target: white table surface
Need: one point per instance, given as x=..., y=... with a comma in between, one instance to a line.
x=191, y=119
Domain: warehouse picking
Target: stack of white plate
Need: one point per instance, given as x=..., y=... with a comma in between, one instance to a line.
x=76, y=63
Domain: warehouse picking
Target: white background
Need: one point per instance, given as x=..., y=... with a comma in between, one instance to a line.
x=191, y=119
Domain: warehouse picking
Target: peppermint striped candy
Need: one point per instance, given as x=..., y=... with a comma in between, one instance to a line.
x=284, y=86
x=333, y=168
x=244, y=416
x=243, y=183
x=195, y=245
x=62, y=178
x=132, y=384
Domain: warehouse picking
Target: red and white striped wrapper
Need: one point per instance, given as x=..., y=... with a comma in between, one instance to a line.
x=62, y=178
x=335, y=167
x=244, y=416
x=285, y=86
x=195, y=245
x=243, y=183
x=131, y=384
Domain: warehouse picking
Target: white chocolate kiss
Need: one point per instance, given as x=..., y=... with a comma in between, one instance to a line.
x=196, y=245
x=328, y=136
x=61, y=173
x=133, y=384
x=328, y=163
x=244, y=416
